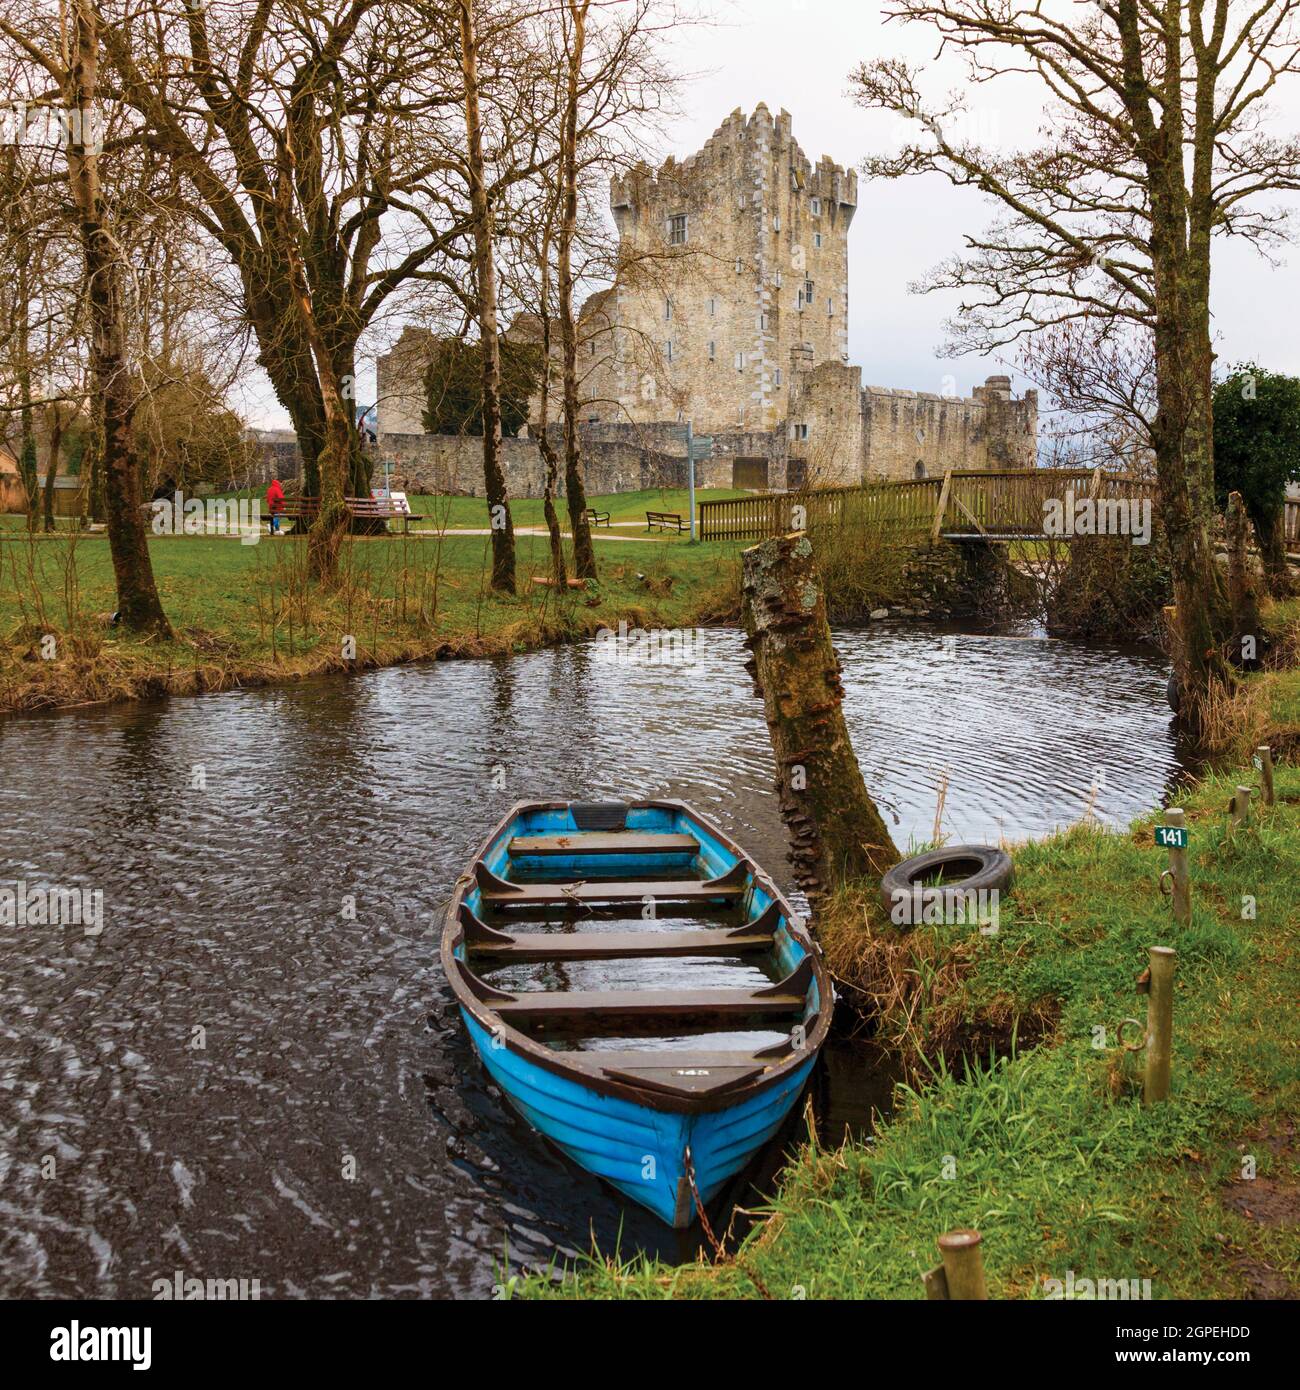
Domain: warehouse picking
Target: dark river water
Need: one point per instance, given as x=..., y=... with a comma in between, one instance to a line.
x=254, y=1070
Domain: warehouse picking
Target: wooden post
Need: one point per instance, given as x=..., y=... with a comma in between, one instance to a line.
x=941, y=507
x=1241, y=808
x=1182, y=883
x=963, y=1265
x=835, y=831
x=1264, y=761
x=1160, y=1024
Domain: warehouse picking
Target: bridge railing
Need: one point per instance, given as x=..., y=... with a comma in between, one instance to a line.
x=1000, y=502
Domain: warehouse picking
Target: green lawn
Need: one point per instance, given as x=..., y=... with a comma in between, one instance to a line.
x=246, y=612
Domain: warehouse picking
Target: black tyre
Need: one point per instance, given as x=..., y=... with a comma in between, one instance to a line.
x=967, y=870
x=1172, y=692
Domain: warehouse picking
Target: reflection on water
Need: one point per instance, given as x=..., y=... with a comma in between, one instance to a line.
x=256, y=1070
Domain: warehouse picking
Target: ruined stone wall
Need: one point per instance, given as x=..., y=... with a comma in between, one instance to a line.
x=914, y=434
x=451, y=464
x=706, y=325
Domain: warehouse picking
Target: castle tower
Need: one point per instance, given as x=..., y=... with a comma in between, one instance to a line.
x=734, y=273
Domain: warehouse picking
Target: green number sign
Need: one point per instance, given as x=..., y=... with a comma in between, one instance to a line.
x=1171, y=837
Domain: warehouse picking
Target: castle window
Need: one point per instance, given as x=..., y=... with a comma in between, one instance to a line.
x=677, y=229
x=668, y=350
x=798, y=431
x=830, y=308
x=668, y=309
x=778, y=279
x=739, y=265
x=740, y=361
x=817, y=240
x=807, y=291
x=816, y=207
x=762, y=323
x=713, y=307
x=776, y=222
x=713, y=352
x=778, y=376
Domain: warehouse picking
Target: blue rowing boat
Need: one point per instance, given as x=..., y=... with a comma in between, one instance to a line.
x=567, y=944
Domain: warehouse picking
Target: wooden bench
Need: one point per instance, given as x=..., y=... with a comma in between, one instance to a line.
x=308, y=509
x=597, y=518
x=665, y=521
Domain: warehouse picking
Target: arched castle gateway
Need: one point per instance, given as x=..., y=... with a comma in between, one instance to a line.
x=731, y=310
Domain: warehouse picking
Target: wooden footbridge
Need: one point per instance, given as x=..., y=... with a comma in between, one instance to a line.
x=962, y=505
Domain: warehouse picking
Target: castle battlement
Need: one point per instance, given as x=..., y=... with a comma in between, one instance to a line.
x=730, y=310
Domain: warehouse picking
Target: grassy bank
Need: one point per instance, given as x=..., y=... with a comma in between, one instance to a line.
x=245, y=615
x=1045, y=1148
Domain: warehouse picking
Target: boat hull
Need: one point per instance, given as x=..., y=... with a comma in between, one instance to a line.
x=639, y=1150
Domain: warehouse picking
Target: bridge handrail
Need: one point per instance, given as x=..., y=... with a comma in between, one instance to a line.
x=899, y=503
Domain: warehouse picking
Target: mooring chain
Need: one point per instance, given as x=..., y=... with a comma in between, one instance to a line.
x=699, y=1205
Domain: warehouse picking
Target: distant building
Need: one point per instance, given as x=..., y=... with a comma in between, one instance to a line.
x=731, y=310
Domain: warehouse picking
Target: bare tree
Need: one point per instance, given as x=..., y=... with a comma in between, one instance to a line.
x=1156, y=144
x=68, y=56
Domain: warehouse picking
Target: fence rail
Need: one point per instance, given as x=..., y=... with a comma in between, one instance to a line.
x=1006, y=502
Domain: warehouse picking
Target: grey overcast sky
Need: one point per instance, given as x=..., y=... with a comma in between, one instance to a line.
x=797, y=54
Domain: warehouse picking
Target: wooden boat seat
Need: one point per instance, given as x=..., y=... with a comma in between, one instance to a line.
x=609, y=1005
x=501, y=893
x=598, y=1010
x=502, y=948
x=616, y=842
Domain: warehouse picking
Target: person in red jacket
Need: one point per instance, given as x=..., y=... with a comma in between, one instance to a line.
x=275, y=504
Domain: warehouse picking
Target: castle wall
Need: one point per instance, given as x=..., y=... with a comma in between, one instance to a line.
x=911, y=434
x=706, y=327
x=452, y=465
x=742, y=327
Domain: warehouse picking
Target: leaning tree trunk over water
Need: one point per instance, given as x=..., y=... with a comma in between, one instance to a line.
x=836, y=833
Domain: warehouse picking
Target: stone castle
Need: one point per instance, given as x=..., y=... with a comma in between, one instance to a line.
x=730, y=310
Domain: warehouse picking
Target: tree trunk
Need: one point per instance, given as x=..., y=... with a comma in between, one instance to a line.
x=139, y=608
x=494, y=478
x=27, y=460
x=1183, y=434
x=559, y=571
x=1242, y=597
x=836, y=833
x=584, y=552
x=54, y=428
x=1270, y=531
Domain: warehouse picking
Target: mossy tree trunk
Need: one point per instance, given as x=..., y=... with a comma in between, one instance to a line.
x=1270, y=531
x=1241, y=584
x=836, y=833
